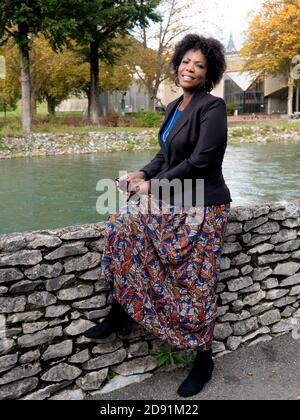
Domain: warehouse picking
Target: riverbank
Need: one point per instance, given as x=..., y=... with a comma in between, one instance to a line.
x=92, y=142
x=118, y=139
x=264, y=133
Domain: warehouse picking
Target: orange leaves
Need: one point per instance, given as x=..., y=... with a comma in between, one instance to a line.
x=57, y=75
x=273, y=36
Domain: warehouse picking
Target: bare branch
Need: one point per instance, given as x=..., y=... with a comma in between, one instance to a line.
x=10, y=32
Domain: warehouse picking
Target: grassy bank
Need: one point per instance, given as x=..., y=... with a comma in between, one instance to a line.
x=68, y=133
x=74, y=122
x=45, y=144
x=59, y=125
x=264, y=133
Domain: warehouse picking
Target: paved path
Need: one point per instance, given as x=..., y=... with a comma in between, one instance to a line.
x=268, y=371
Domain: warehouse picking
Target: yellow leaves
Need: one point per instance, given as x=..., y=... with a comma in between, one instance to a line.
x=148, y=65
x=118, y=76
x=59, y=74
x=64, y=70
x=114, y=78
x=53, y=74
x=10, y=89
x=273, y=35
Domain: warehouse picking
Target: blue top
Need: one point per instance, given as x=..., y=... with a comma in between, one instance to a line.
x=171, y=121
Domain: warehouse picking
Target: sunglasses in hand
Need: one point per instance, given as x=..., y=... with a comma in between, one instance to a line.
x=123, y=186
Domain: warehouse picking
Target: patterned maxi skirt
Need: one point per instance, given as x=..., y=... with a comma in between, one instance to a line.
x=164, y=267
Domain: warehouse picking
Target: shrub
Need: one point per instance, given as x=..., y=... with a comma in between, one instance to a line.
x=147, y=119
x=168, y=356
x=112, y=119
x=230, y=108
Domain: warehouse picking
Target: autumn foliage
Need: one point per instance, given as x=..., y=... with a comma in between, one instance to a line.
x=272, y=40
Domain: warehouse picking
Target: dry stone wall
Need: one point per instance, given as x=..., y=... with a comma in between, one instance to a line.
x=50, y=294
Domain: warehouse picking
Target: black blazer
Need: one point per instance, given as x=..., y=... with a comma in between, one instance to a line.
x=196, y=147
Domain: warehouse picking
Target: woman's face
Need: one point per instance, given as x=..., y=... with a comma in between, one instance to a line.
x=192, y=70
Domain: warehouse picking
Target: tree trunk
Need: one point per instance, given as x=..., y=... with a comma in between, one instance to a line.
x=297, y=99
x=51, y=103
x=89, y=105
x=152, y=103
x=34, y=90
x=153, y=98
x=94, y=91
x=26, y=94
x=290, y=95
x=86, y=114
x=33, y=103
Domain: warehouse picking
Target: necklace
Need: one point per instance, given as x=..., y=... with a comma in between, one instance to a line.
x=180, y=105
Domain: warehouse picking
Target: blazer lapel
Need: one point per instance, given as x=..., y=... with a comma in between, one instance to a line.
x=185, y=116
x=182, y=120
x=168, y=113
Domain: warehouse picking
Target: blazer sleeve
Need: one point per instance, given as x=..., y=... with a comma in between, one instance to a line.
x=213, y=135
x=154, y=167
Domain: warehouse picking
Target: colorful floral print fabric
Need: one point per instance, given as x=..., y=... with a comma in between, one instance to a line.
x=164, y=267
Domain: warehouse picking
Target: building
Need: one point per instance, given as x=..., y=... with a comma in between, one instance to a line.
x=243, y=93
x=240, y=90
x=134, y=100
x=247, y=95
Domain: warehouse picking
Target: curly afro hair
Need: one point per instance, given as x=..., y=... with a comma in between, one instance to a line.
x=213, y=50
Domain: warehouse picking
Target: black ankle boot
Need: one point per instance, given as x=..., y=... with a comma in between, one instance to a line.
x=110, y=324
x=200, y=374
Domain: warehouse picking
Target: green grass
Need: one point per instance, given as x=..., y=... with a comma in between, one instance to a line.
x=41, y=109
x=68, y=123
x=264, y=131
x=265, y=126
x=167, y=356
x=238, y=132
x=73, y=123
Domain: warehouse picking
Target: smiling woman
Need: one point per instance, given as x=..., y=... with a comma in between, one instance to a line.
x=164, y=265
x=199, y=58
x=192, y=71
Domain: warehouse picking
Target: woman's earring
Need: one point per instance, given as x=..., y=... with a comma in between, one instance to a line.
x=209, y=85
x=177, y=81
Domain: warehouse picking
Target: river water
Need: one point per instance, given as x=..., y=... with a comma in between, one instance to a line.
x=57, y=191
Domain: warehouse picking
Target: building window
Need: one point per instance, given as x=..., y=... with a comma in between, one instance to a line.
x=249, y=101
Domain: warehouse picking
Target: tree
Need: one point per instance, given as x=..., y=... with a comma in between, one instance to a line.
x=151, y=68
x=68, y=74
x=272, y=40
x=10, y=88
x=17, y=21
x=100, y=25
x=57, y=75
x=20, y=20
x=119, y=75
x=155, y=46
x=94, y=22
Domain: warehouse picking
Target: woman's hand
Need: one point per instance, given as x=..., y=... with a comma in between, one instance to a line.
x=142, y=188
x=133, y=175
x=129, y=182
